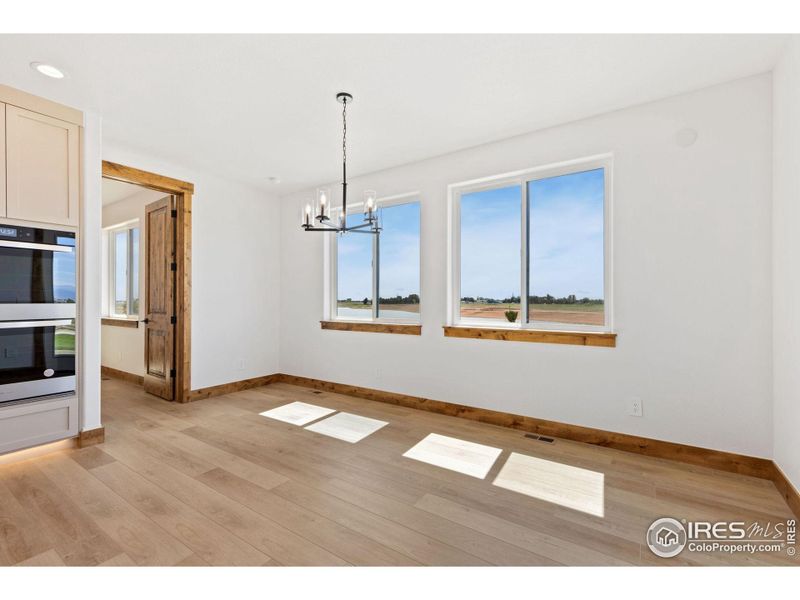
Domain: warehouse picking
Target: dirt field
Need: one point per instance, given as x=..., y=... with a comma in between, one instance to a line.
x=553, y=315
x=414, y=308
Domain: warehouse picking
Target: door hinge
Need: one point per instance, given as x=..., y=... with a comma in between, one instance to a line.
x=173, y=266
x=174, y=213
x=172, y=372
x=173, y=319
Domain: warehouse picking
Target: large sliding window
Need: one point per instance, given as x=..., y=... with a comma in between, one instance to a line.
x=532, y=249
x=378, y=277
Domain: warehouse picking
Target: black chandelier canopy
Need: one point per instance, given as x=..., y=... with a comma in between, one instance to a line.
x=320, y=219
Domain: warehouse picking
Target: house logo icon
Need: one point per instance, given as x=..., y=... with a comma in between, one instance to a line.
x=666, y=537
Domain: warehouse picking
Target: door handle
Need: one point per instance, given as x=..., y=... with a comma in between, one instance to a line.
x=145, y=321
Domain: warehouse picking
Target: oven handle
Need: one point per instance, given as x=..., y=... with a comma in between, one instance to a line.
x=35, y=246
x=21, y=324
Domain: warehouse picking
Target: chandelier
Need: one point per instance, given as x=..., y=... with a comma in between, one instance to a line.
x=322, y=220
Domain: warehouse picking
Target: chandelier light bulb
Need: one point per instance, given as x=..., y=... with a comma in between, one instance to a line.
x=369, y=202
x=323, y=203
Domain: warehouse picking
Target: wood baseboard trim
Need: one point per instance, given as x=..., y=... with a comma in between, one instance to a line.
x=540, y=336
x=123, y=375
x=91, y=437
x=787, y=490
x=400, y=328
x=704, y=457
x=752, y=466
x=228, y=388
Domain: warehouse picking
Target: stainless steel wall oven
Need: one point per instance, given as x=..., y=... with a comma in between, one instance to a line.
x=37, y=312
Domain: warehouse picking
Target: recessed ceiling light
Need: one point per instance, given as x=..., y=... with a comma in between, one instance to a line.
x=48, y=70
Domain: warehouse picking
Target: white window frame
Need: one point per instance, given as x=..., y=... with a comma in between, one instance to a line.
x=111, y=249
x=521, y=178
x=331, y=260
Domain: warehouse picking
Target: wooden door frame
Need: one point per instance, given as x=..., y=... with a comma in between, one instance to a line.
x=183, y=192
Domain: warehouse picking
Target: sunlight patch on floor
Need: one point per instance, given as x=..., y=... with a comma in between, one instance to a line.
x=454, y=454
x=297, y=413
x=348, y=427
x=572, y=487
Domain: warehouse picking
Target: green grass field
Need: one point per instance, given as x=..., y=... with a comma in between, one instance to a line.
x=65, y=342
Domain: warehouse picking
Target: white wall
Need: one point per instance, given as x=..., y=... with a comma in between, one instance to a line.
x=235, y=301
x=786, y=274
x=123, y=347
x=692, y=284
x=88, y=371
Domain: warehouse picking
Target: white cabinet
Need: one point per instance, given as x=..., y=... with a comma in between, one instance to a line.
x=42, y=168
x=34, y=423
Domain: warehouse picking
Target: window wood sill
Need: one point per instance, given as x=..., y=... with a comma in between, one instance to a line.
x=542, y=336
x=116, y=322
x=369, y=327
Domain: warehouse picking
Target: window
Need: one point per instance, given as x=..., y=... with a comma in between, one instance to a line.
x=123, y=260
x=490, y=258
x=544, y=232
x=377, y=277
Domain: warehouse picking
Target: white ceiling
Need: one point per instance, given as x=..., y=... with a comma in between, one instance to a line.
x=115, y=191
x=251, y=107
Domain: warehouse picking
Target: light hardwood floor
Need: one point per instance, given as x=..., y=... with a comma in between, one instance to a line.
x=215, y=483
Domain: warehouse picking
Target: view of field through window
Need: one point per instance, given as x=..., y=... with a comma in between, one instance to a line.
x=490, y=256
x=565, y=251
x=397, y=260
x=565, y=237
x=354, y=275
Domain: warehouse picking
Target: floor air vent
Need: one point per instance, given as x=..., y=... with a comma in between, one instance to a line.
x=541, y=438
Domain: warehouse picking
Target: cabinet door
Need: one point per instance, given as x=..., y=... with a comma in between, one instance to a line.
x=2, y=160
x=42, y=168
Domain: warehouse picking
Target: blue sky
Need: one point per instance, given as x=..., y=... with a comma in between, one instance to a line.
x=565, y=235
x=399, y=256
x=490, y=241
x=566, y=241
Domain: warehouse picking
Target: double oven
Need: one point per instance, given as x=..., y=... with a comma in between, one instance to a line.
x=37, y=313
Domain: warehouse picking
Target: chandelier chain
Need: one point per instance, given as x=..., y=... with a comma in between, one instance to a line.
x=344, y=131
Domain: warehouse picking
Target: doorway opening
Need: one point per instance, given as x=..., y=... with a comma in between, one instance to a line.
x=146, y=326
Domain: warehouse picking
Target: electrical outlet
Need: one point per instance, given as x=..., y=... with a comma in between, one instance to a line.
x=635, y=407
x=240, y=364
x=377, y=373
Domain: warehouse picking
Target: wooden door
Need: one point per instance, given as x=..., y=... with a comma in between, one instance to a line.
x=159, y=338
x=42, y=168
x=2, y=160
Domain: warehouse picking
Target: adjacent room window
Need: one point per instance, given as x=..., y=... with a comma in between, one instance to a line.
x=123, y=261
x=532, y=251
x=377, y=277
